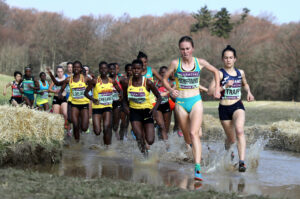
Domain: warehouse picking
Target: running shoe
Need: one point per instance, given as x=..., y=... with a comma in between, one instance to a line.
x=198, y=175
x=242, y=166
x=88, y=131
x=132, y=133
x=69, y=133
x=179, y=133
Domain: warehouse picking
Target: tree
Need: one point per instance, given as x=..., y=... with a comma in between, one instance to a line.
x=204, y=19
x=4, y=11
x=219, y=25
x=47, y=40
x=222, y=26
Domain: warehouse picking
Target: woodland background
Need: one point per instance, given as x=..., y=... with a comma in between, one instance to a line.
x=269, y=53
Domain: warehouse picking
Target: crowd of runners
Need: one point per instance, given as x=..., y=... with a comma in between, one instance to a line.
x=143, y=97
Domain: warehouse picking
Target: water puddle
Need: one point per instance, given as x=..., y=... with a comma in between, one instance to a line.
x=269, y=172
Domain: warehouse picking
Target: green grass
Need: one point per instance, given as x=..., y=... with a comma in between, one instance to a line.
x=262, y=112
x=27, y=184
x=4, y=79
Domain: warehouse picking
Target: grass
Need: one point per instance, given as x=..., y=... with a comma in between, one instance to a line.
x=4, y=79
x=27, y=184
x=262, y=112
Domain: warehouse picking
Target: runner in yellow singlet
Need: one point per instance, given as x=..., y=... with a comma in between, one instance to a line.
x=79, y=103
x=136, y=95
x=102, y=99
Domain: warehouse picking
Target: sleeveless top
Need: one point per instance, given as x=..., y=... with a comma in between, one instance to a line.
x=55, y=88
x=187, y=80
x=26, y=82
x=67, y=89
x=233, y=92
x=42, y=98
x=115, y=92
x=139, y=97
x=15, y=91
x=77, y=91
x=149, y=74
x=161, y=89
x=104, y=93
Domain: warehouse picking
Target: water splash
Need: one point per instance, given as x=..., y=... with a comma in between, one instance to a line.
x=221, y=160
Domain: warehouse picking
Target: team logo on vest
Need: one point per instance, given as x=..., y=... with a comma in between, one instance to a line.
x=141, y=89
x=80, y=84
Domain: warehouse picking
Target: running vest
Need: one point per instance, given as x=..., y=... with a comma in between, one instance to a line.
x=233, y=92
x=187, y=80
x=42, y=98
x=26, y=83
x=149, y=75
x=104, y=93
x=115, y=92
x=55, y=88
x=138, y=97
x=77, y=91
x=161, y=89
x=67, y=89
x=120, y=75
x=15, y=91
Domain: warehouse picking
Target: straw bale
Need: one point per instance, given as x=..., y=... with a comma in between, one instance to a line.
x=29, y=135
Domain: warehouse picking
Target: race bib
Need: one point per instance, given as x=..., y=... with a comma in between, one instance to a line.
x=165, y=99
x=45, y=95
x=16, y=92
x=105, y=98
x=232, y=93
x=137, y=97
x=188, y=80
x=78, y=93
x=115, y=96
x=26, y=86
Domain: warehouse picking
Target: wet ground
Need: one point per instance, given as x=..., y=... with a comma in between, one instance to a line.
x=270, y=173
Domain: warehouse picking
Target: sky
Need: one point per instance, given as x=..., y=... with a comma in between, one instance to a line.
x=282, y=11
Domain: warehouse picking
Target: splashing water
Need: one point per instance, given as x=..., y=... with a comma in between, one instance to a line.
x=220, y=159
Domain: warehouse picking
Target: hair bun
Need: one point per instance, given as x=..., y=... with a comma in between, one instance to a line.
x=228, y=46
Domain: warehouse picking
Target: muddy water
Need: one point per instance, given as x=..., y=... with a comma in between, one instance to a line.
x=269, y=173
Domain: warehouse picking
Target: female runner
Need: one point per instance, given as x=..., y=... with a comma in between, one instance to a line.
x=231, y=108
x=102, y=99
x=136, y=93
x=189, y=108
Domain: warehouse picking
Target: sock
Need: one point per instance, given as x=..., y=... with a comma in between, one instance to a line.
x=197, y=167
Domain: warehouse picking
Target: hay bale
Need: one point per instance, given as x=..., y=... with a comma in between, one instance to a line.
x=285, y=135
x=27, y=134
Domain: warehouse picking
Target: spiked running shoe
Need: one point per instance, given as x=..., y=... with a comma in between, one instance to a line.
x=242, y=167
x=198, y=175
x=179, y=133
x=133, y=136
